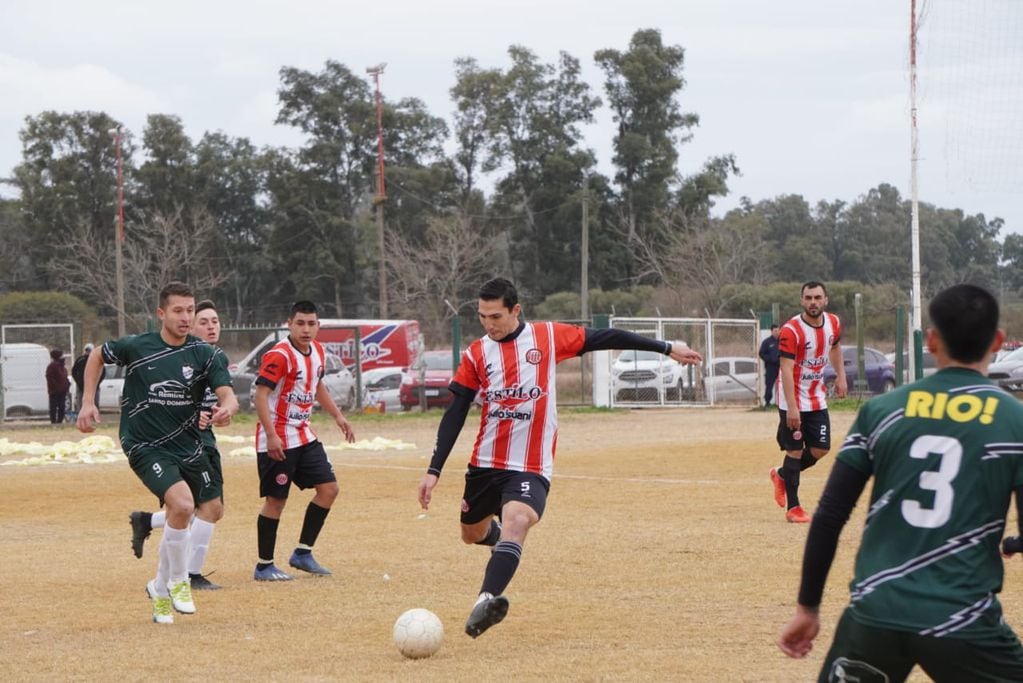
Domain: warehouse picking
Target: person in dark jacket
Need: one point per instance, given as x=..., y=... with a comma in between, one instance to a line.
x=769, y=354
x=78, y=375
x=57, y=386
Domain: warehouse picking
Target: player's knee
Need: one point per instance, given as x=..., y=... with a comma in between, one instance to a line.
x=211, y=511
x=474, y=533
x=328, y=492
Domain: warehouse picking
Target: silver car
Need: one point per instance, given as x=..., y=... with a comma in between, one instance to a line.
x=731, y=378
x=1008, y=372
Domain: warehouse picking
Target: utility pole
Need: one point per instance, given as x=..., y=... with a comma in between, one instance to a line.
x=584, y=253
x=119, y=236
x=381, y=196
x=914, y=231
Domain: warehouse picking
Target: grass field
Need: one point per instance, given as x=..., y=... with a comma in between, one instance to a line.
x=662, y=557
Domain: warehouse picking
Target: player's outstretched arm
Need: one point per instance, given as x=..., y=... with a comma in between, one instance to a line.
x=323, y=397
x=88, y=415
x=683, y=354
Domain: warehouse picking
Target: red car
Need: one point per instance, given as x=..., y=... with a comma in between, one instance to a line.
x=429, y=381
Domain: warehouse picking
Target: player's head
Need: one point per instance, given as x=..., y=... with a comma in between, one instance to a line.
x=207, y=322
x=813, y=297
x=966, y=319
x=88, y=348
x=303, y=323
x=177, y=308
x=499, y=308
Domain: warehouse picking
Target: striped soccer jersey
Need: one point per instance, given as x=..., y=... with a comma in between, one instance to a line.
x=294, y=377
x=808, y=346
x=514, y=381
x=945, y=454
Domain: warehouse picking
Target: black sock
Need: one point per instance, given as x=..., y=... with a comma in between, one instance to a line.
x=807, y=461
x=266, y=534
x=792, y=468
x=314, y=518
x=501, y=568
x=493, y=536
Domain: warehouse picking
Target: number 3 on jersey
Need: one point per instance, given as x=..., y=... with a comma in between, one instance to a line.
x=940, y=482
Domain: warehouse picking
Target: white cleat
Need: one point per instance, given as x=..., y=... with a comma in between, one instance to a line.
x=181, y=596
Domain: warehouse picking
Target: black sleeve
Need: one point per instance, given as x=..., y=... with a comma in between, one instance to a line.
x=450, y=426
x=845, y=484
x=611, y=338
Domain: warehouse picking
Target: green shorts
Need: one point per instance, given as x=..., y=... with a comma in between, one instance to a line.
x=868, y=653
x=159, y=471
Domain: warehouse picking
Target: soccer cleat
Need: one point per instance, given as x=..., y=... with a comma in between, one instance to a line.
x=201, y=583
x=140, y=528
x=797, y=515
x=271, y=573
x=485, y=614
x=779, y=487
x=181, y=596
x=307, y=563
x=162, y=613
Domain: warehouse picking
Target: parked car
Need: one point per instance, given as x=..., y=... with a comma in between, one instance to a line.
x=24, y=379
x=930, y=365
x=731, y=378
x=650, y=376
x=429, y=379
x=382, y=387
x=880, y=371
x=111, y=386
x=1008, y=372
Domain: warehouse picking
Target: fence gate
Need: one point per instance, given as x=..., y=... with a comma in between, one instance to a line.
x=730, y=373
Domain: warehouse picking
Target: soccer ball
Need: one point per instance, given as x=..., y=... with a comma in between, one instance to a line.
x=417, y=633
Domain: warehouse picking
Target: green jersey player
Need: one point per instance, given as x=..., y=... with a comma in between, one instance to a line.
x=167, y=374
x=945, y=453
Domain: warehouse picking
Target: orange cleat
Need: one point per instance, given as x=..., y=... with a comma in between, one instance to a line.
x=779, y=487
x=797, y=515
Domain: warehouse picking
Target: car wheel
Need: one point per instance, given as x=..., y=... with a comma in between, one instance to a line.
x=889, y=385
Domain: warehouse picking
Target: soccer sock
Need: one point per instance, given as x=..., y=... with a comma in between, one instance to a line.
x=202, y=533
x=493, y=535
x=162, y=570
x=791, y=470
x=266, y=535
x=501, y=568
x=314, y=518
x=158, y=519
x=807, y=461
x=176, y=541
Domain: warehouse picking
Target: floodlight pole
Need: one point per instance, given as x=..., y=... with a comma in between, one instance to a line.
x=381, y=195
x=119, y=237
x=917, y=322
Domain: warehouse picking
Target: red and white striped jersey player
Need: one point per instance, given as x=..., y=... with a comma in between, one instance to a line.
x=806, y=343
x=511, y=372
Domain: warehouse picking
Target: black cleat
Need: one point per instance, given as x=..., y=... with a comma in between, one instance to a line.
x=140, y=529
x=201, y=583
x=485, y=614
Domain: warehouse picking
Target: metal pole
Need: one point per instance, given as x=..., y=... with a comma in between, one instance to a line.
x=119, y=240
x=381, y=197
x=913, y=190
x=584, y=253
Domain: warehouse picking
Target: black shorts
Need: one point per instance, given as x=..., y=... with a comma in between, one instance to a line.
x=488, y=489
x=816, y=431
x=306, y=465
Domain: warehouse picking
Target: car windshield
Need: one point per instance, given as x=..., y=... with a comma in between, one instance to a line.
x=631, y=355
x=437, y=361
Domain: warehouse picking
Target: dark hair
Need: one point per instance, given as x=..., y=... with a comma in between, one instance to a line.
x=303, y=306
x=774, y=326
x=56, y=354
x=966, y=317
x=174, y=289
x=500, y=288
x=811, y=285
x=205, y=305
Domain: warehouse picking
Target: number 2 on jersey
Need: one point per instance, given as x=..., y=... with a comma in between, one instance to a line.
x=940, y=482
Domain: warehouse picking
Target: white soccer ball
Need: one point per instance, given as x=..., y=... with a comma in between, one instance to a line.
x=417, y=633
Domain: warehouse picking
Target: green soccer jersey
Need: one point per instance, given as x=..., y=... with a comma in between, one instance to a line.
x=209, y=402
x=945, y=454
x=163, y=390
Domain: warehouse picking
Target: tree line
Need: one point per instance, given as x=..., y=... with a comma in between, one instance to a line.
x=500, y=188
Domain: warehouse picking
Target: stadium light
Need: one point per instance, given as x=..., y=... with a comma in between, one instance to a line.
x=119, y=234
x=381, y=196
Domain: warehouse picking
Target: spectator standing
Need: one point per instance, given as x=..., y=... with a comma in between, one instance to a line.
x=57, y=386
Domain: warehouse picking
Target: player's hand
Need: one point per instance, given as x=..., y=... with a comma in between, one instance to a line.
x=796, y=638
x=683, y=354
x=221, y=416
x=841, y=386
x=88, y=418
x=792, y=420
x=274, y=447
x=346, y=428
x=426, y=490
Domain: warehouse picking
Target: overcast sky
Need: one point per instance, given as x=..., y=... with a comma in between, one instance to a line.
x=811, y=97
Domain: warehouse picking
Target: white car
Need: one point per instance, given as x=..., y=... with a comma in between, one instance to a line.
x=1008, y=372
x=340, y=382
x=382, y=386
x=731, y=378
x=111, y=386
x=650, y=376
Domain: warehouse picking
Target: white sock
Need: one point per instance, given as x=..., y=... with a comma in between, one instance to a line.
x=162, y=571
x=158, y=519
x=176, y=541
x=202, y=533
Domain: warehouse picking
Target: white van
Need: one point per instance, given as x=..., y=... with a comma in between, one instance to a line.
x=23, y=372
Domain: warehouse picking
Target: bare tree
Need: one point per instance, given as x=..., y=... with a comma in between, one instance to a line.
x=157, y=250
x=453, y=260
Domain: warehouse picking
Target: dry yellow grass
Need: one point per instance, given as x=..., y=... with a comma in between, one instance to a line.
x=661, y=557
